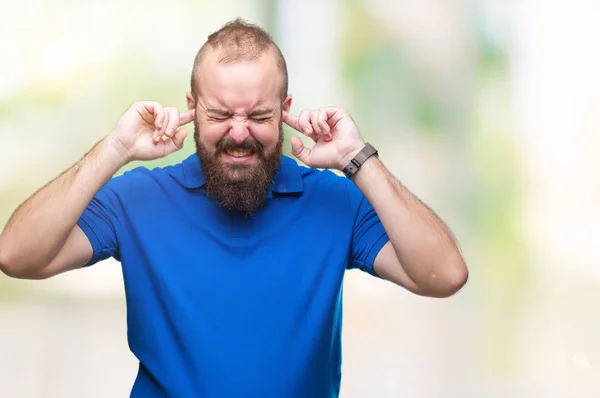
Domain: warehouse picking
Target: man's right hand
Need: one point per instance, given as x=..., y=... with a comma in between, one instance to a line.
x=147, y=131
x=42, y=238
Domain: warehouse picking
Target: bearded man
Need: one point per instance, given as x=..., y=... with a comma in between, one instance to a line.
x=233, y=260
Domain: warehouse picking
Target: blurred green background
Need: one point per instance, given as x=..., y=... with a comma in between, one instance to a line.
x=486, y=109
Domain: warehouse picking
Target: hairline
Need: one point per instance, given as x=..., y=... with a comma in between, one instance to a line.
x=225, y=59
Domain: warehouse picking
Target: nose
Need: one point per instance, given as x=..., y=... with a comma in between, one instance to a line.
x=239, y=131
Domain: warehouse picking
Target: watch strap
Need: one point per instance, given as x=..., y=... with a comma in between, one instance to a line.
x=360, y=158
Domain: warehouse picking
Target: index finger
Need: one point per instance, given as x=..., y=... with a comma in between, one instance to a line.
x=292, y=121
x=186, y=117
x=153, y=108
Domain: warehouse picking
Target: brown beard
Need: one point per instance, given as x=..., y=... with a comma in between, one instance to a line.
x=238, y=187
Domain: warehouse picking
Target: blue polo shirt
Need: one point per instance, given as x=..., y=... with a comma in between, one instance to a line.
x=224, y=305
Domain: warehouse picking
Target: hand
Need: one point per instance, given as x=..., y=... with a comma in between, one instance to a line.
x=147, y=131
x=336, y=136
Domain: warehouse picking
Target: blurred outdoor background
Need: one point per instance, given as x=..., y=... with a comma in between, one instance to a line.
x=489, y=110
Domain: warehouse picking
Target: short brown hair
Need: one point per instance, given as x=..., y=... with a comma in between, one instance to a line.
x=238, y=41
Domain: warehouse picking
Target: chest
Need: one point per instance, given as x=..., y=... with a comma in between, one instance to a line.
x=284, y=253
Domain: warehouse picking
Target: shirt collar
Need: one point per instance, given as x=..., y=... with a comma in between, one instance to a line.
x=287, y=180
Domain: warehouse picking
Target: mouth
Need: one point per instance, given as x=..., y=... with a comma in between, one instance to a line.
x=239, y=155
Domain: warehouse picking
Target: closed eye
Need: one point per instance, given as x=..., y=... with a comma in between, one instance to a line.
x=218, y=119
x=217, y=115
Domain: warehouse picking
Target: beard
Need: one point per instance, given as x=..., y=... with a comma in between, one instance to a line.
x=238, y=187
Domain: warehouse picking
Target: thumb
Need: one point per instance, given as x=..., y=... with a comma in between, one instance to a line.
x=300, y=151
x=176, y=142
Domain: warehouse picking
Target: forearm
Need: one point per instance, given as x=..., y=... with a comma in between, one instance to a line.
x=38, y=229
x=424, y=245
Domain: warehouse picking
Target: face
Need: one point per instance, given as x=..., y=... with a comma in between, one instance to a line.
x=238, y=128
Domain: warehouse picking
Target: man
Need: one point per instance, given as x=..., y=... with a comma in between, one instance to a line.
x=233, y=260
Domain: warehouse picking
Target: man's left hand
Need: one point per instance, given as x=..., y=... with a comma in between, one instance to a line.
x=336, y=136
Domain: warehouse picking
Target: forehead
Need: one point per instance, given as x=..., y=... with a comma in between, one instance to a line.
x=238, y=85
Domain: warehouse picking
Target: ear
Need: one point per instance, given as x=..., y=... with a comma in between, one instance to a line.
x=191, y=102
x=287, y=103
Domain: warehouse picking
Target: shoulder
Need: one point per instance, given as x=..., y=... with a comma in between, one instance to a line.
x=329, y=185
x=158, y=175
x=319, y=179
x=142, y=180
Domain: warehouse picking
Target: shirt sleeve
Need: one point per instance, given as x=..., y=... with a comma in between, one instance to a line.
x=368, y=236
x=100, y=220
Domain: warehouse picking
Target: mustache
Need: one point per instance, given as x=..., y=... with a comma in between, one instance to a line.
x=227, y=144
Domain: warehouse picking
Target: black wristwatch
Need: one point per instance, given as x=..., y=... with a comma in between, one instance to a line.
x=359, y=159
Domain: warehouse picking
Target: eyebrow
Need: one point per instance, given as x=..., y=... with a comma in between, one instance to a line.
x=261, y=112
x=219, y=112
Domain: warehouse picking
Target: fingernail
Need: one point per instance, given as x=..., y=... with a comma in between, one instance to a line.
x=169, y=132
x=307, y=130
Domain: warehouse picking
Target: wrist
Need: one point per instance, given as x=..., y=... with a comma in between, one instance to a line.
x=359, y=158
x=115, y=152
x=351, y=155
x=365, y=174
